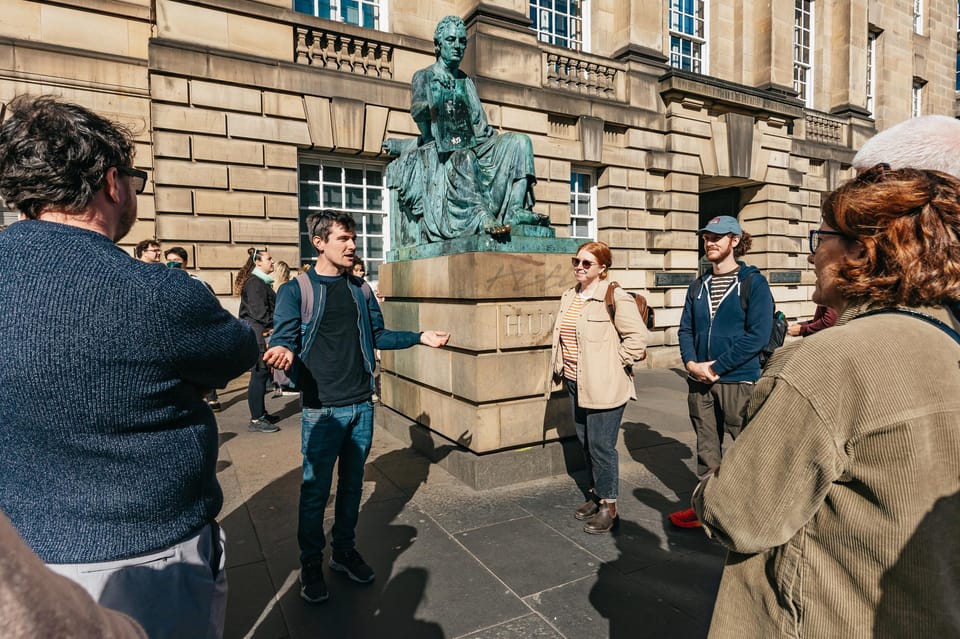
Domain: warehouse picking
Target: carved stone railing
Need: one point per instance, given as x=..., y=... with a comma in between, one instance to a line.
x=582, y=75
x=342, y=52
x=825, y=128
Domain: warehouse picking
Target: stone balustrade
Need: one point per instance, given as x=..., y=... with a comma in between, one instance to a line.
x=825, y=128
x=342, y=52
x=582, y=75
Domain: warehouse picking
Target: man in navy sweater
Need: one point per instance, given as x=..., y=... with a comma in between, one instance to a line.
x=726, y=321
x=107, y=447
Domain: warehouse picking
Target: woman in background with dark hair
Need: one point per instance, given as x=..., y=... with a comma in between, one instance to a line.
x=594, y=354
x=257, y=299
x=840, y=502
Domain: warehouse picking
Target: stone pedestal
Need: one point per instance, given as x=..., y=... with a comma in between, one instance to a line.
x=489, y=389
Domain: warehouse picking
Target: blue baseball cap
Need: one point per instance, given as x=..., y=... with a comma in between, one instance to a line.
x=721, y=225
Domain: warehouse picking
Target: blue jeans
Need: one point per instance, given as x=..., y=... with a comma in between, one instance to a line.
x=343, y=432
x=597, y=431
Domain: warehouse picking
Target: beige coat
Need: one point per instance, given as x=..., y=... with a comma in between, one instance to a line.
x=605, y=361
x=840, y=502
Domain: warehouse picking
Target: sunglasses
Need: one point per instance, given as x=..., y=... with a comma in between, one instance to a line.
x=137, y=177
x=586, y=263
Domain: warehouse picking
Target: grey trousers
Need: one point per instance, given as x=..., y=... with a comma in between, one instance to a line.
x=174, y=593
x=715, y=409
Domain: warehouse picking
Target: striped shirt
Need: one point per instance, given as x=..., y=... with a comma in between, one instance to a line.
x=719, y=285
x=568, y=338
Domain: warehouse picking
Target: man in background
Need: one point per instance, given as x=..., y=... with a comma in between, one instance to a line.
x=147, y=251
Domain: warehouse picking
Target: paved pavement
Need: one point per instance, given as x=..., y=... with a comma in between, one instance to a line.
x=452, y=562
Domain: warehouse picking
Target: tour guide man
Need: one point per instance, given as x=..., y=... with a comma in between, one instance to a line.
x=332, y=361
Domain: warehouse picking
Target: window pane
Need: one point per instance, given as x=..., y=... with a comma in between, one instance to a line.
x=332, y=197
x=309, y=196
x=374, y=200
x=374, y=178
x=374, y=223
x=332, y=174
x=310, y=172
x=355, y=198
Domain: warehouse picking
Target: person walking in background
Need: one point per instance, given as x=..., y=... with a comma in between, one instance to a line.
x=593, y=354
x=147, y=251
x=257, y=299
x=331, y=360
x=107, y=448
x=840, y=503
x=823, y=318
x=726, y=321
x=281, y=274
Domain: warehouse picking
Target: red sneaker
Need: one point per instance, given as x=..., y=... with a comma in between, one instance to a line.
x=684, y=519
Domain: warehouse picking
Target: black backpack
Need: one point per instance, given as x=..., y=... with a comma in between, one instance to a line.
x=779, y=330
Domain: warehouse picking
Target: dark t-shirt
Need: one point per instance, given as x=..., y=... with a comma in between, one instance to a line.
x=336, y=375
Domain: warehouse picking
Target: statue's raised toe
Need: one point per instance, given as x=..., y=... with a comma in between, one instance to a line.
x=526, y=216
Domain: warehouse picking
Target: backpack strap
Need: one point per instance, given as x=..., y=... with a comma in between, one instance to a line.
x=745, y=291
x=610, y=303
x=306, y=298
x=920, y=316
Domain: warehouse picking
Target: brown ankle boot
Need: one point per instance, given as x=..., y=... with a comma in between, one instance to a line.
x=604, y=521
x=586, y=511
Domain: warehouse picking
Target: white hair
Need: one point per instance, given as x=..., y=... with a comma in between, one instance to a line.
x=929, y=142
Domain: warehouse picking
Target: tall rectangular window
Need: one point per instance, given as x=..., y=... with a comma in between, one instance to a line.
x=583, y=204
x=803, y=50
x=354, y=187
x=871, y=70
x=688, y=35
x=362, y=13
x=916, y=98
x=559, y=22
x=918, y=16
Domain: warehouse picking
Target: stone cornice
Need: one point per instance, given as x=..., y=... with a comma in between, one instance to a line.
x=676, y=85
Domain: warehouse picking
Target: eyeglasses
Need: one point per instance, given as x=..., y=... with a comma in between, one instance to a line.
x=138, y=178
x=151, y=250
x=586, y=263
x=816, y=238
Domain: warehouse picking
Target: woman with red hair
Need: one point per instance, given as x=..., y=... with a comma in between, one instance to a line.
x=840, y=503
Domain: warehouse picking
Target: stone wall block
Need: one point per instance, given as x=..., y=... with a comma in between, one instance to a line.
x=193, y=229
x=256, y=127
x=374, y=129
x=319, y=123
x=347, y=117
x=681, y=260
x=224, y=96
x=180, y=173
x=173, y=200
x=282, y=206
x=280, y=156
x=227, y=150
x=164, y=88
x=221, y=255
x=178, y=118
x=531, y=122
x=283, y=105
x=169, y=145
x=264, y=231
x=228, y=203
x=248, y=178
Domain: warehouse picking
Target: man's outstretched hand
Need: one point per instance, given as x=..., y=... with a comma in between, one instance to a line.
x=436, y=339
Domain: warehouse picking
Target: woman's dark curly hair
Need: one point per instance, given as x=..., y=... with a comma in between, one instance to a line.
x=55, y=154
x=908, y=222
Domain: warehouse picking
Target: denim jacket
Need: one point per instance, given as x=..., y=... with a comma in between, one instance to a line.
x=291, y=332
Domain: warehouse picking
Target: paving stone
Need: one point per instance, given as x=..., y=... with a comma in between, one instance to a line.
x=528, y=627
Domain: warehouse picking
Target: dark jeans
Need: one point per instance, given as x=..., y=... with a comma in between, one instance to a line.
x=259, y=378
x=597, y=431
x=715, y=409
x=343, y=432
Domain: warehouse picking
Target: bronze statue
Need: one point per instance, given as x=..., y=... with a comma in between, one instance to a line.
x=459, y=177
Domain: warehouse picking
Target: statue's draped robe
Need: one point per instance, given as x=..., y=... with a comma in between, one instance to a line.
x=460, y=176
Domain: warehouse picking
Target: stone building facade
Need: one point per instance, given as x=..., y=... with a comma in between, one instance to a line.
x=646, y=117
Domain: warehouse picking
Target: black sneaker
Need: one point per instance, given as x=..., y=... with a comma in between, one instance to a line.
x=262, y=426
x=353, y=564
x=312, y=586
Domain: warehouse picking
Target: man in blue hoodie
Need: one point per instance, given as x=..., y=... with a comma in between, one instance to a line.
x=726, y=322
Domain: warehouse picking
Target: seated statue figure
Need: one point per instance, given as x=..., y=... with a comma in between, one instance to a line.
x=459, y=177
